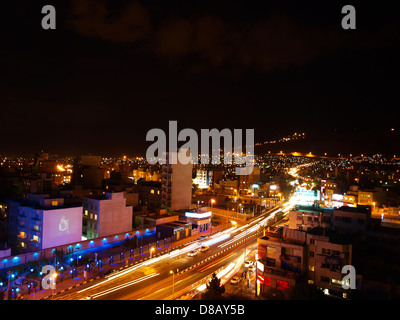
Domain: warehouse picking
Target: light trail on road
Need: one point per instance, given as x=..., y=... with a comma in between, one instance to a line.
x=117, y=286
x=94, y=296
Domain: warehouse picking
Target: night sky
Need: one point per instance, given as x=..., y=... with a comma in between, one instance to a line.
x=112, y=70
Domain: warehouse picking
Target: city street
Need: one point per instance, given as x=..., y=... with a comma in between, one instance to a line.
x=174, y=274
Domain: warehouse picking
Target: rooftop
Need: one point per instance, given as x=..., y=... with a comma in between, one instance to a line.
x=38, y=206
x=358, y=209
x=334, y=236
x=313, y=209
x=280, y=239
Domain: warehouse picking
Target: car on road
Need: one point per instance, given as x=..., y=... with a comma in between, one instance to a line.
x=204, y=248
x=236, y=280
x=248, y=264
x=203, y=237
x=193, y=253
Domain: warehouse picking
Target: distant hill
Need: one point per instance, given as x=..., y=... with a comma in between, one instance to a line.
x=344, y=142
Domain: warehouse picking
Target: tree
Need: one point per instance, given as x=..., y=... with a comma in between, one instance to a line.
x=60, y=256
x=214, y=289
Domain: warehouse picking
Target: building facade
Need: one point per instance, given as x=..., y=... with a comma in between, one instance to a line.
x=106, y=215
x=41, y=222
x=203, y=179
x=327, y=255
x=282, y=260
x=317, y=255
x=200, y=220
x=176, y=185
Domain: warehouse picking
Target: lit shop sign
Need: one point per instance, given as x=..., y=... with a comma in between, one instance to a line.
x=337, y=197
x=198, y=215
x=282, y=285
x=262, y=280
x=337, y=200
x=272, y=187
x=260, y=266
x=307, y=196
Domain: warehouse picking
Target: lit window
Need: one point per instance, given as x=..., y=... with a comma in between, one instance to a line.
x=95, y=217
x=152, y=191
x=54, y=203
x=334, y=281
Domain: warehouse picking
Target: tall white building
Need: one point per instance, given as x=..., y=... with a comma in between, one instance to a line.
x=176, y=185
x=106, y=215
x=203, y=178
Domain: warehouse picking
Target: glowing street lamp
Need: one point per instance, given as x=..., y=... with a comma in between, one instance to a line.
x=53, y=285
x=173, y=283
x=151, y=252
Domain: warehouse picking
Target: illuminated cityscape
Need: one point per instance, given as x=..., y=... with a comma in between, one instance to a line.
x=107, y=219
x=282, y=181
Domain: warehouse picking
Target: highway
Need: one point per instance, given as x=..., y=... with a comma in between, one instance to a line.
x=171, y=275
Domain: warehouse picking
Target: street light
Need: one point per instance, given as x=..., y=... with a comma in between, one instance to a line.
x=173, y=283
x=53, y=285
x=151, y=252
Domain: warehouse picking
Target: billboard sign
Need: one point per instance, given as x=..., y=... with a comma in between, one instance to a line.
x=307, y=197
x=61, y=226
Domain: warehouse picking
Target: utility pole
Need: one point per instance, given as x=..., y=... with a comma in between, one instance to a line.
x=9, y=284
x=173, y=283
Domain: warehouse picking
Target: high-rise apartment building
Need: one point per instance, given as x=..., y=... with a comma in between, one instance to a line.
x=176, y=185
x=203, y=178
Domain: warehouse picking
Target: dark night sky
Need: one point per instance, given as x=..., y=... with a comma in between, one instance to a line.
x=112, y=70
